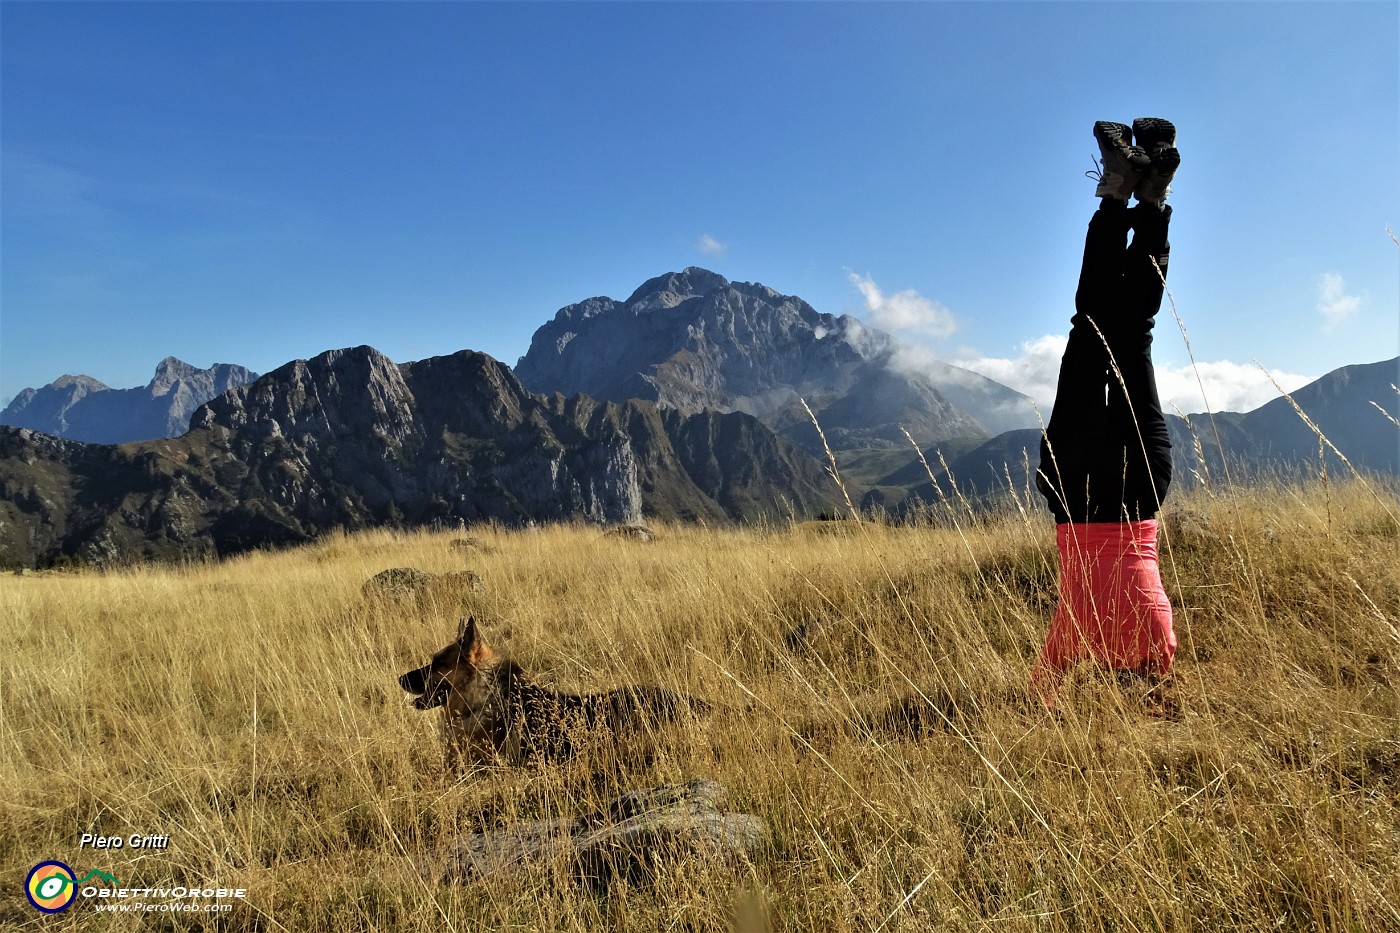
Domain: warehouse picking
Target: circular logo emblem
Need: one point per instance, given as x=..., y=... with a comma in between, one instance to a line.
x=50, y=887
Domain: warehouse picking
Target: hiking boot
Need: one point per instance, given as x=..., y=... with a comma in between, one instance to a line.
x=1123, y=163
x=1158, y=138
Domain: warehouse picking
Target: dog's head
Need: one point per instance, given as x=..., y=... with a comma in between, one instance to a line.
x=454, y=674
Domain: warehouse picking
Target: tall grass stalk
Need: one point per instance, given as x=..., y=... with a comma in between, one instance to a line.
x=831, y=461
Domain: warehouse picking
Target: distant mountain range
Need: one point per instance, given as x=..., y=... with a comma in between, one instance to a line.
x=81, y=408
x=1356, y=408
x=352, y=440
x=682, y=402
x=691, y=341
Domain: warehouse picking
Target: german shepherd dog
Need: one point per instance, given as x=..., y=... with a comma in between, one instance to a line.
x=491, y=709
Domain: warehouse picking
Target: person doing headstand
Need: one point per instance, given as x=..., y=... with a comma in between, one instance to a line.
x=1105, y=456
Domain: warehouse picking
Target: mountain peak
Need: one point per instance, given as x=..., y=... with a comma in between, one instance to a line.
x=84, y=409
x=739, y=346
x=168, y=372
x=669, y=290
x=85, y=382
x=173, y=364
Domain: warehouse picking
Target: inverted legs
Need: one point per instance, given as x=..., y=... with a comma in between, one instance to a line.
x=1105, y=456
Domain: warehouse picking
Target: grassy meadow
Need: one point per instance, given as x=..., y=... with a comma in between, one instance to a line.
x=249, y=709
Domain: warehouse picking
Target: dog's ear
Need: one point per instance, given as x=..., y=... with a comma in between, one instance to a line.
x=471, y=644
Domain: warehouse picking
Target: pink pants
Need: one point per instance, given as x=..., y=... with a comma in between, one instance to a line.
x=1112, y=606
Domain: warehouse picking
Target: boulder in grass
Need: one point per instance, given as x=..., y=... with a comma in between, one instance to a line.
x=626, y=839
x=631, y=532
x=460, y=582
x=396, y=583
x=407, y=584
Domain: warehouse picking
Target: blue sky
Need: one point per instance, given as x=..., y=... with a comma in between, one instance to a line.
x=258, y=182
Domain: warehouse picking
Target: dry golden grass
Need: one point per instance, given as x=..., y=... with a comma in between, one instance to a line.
x=250, y=709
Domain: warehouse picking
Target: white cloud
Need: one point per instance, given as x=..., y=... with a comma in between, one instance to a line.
x=1333, y=302
x=710, y=246
x=1222, y=385
x=907, y=312
x=1229, y=386
x=865, y=342
x=1034, y=373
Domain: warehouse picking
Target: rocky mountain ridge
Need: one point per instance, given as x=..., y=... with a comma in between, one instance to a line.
x=352, y=440
x=84, y=409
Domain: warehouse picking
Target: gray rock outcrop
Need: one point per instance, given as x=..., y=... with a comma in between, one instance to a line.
x=81, y=408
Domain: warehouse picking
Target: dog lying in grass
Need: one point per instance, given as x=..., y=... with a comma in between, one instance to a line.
x=491, y=710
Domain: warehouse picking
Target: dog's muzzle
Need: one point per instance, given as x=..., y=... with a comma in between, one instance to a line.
x=436, y=698
x=416, y=682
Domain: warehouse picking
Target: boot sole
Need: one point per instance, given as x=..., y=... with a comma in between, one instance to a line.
x=1154, y=133
x=1113, y=134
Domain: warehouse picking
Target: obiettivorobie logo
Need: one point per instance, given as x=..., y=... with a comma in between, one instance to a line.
x=51, y=886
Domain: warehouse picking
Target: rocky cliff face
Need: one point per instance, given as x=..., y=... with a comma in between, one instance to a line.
x=81, y=408
x=351, y=440
x=694, y=341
